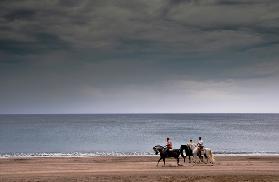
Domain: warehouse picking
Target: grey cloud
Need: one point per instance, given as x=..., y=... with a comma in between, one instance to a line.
x=111, y=24
x=19, y=15
x=42, y=43
x=120, y=53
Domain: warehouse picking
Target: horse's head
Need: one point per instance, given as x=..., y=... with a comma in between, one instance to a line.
x=157, y=149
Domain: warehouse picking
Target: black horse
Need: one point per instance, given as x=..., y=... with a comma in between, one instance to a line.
x=164, y=153
x=188, y=152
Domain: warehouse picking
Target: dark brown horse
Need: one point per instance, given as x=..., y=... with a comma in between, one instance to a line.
x=164, y=153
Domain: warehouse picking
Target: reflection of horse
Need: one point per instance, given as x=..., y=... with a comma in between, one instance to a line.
x=206, y=152
x=166, y=154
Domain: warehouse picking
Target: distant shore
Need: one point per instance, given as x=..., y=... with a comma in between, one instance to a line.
x=138, y=168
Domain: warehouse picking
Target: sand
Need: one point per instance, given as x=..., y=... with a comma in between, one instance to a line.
x=227, y=168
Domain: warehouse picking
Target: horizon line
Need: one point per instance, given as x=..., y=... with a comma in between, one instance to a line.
x=140, y=113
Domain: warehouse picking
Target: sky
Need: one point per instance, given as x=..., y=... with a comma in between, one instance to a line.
x=139, y=56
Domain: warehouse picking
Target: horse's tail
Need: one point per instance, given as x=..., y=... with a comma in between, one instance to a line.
x=211, y=156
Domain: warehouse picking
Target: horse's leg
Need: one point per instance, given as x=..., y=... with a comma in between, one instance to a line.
x=201, y=158
x=205, y=156
x=184, y=157
x=159, y=161
x=189, y=159
x=164, y=159
x=182, y=154
x=211, y=157
x=195, y=159
x=177, y=160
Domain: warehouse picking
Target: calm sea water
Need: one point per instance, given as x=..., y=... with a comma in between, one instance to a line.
x=136, y=134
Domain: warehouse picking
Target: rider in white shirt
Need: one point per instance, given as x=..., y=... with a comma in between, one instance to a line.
x=200, y=147
x=200, y=143
x=191, y=144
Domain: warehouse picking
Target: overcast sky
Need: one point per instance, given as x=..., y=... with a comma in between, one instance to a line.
x=144, y=56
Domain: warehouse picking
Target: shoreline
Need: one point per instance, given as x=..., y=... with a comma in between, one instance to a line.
x=84, y=155
x=58, y=155
x=138, y=168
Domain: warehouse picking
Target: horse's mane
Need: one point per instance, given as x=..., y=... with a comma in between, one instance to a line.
x=158, y=146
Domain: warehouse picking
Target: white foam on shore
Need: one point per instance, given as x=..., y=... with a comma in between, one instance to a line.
x=249, y=154
x=75, y=154
x=116, y=154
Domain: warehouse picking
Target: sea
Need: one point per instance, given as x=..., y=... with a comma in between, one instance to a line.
x=47, y=135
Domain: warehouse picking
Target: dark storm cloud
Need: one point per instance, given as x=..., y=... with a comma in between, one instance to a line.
x=19, y=15
x=130, y=52
x=176, y=26
x=41, y=43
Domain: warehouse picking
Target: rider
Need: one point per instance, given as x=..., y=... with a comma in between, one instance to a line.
x=190, y=144
x=168, y=145
x=200, y=146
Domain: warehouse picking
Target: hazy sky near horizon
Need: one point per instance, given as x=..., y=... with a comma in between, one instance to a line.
x=133, y=56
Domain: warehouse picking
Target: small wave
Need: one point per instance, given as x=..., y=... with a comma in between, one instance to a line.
x=75, y=154
x=99, y=154
x=218, y=153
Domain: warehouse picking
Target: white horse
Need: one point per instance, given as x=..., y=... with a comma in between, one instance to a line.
x=206, y=152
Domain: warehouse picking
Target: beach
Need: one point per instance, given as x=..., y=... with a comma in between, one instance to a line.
x=138, y=168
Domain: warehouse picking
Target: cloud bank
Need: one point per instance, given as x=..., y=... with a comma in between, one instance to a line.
x=139, y=56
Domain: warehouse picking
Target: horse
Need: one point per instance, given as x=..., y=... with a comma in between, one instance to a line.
x=206, y=152
x=188, y=152
x=163, y=154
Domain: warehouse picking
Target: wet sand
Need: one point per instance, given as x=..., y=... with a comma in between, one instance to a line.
x=240, y=168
